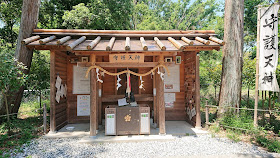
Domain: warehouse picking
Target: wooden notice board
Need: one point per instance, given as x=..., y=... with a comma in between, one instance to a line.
x=126, y=58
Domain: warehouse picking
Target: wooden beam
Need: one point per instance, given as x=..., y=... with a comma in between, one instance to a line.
x=123, y=31
x=176, y=43
x=214, y=39
x=143, y=43
x=93, y=43
x=197, y=93
x=30, y=39
x=127, y=44
x=75, y=43
x=63, y=40
x=199, y=39
x=160, y=100
x=160, y=44
x=113, y=65
x=106, y=53
x=114, y=98
x=46, y=40
x=93, y=107
x=111, y=44
x=188, y=41
x=52, y=92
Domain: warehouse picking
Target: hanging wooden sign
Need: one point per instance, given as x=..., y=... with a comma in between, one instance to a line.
x=126, y=58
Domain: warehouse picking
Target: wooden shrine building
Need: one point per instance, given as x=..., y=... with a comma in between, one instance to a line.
x=73, y=53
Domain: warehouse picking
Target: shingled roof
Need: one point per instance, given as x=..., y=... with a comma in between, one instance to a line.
x=122, y=40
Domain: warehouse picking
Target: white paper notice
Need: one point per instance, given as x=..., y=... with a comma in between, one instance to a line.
x=145, y=123
x=58, y=82
x=169, y=97
x=172, y=82
x=81, y=85
x=122, y=102
x=83, y=105
x=110, y=124
x=193, y=113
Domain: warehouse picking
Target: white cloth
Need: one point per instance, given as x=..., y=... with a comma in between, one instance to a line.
x=268, y=58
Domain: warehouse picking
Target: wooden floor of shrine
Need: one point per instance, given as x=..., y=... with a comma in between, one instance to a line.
x=173, y=128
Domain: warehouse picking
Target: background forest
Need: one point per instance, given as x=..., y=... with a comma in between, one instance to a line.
x=133, y=15
x=137, y=15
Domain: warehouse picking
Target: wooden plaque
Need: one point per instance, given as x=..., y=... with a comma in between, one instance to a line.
x=126, y=58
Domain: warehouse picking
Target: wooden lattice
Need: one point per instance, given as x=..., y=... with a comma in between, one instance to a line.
x=190, y=59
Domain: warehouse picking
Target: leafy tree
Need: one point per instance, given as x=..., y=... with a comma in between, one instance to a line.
x=78, y=18
x=10, y=11
x=11, y=77
x=38, y=78
x=248, y=73
x=168, y=14
x=100, y=14
x=52, y=11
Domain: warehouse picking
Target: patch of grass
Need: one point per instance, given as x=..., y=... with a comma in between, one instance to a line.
x=233, y=136
x=272, y=144
x=239, y=125
x=26, y=126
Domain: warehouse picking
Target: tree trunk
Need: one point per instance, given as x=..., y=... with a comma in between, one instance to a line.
x=29, y=19
x=230, y=91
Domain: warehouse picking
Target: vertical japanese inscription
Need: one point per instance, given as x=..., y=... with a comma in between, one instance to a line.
x=268, y=49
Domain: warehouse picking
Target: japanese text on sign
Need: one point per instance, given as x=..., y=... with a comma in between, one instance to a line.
x=268, y=49
x=126, y=58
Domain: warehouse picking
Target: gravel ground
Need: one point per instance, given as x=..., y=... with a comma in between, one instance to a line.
x=180, y=147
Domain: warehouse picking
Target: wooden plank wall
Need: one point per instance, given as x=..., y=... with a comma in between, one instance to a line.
x=190, y=83
x=61, y=108
x=178, y=112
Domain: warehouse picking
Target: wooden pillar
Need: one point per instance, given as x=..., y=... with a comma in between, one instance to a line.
x=155, y=98
x=197, y=93
x=160, y=98
x=93, y=106
x=52, y=92
x=99, y=104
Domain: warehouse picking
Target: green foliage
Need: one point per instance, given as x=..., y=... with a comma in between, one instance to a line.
x=272, y=144
x=52, y=11
x=10, y=11
x=11, y=72
x=39, y=75
x=233, y=135
x=78, y=18
x=249, y=71
x=167, y=14
x=100, y=14
x=25, y=127
x=243, y=120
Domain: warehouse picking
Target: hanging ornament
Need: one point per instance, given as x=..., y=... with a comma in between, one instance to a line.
x=97, y=76
x=118, y=82
x=102, y=73
x=141, y=83
x=128, y=89
x=161, y=74
x=158, y=72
